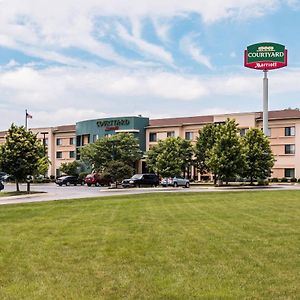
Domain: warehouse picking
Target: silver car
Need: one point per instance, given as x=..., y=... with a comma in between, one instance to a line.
x=175, y=181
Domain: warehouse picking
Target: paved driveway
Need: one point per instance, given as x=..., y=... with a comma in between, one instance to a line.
x=54, y=192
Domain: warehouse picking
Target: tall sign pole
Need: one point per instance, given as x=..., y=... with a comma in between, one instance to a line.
x=265, y=56
x=265, y=104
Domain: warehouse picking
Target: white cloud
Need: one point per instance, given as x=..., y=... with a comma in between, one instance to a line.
x=189, y=47
x=177, y=87
x=147, y=49
x=162, y=27
x=45, y=29
x=62, y=95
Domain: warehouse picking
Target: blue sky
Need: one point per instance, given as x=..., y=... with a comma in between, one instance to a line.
x=75, y=60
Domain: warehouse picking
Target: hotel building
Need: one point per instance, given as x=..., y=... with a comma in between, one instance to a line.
x=63, y=142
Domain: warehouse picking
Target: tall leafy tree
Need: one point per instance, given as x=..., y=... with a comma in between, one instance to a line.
x=186, y=153
x=226, y=158
x=169, y=157
x=205, y=142
x=122, y=147
x=259, y=158
x=44, y=163
x=20, y=154
x=70, y=168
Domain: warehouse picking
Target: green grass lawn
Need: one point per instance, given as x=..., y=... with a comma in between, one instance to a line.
x=238, y=245
x=7, y=194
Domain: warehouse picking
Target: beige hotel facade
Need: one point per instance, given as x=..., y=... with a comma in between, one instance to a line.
x=284, y=136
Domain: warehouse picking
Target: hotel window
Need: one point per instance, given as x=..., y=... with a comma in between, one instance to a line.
x=78, y=140
x=171, y=134
x=289, y=173
x=243, y=131
x=152, y=137
x=289, y=131
x=58, y=142
x=85, y=139
x=189, y=135
x=95, y=137
x=58, y=154
x=268, y=133
x=289, y=149
x=72, y=154
x=72, y=141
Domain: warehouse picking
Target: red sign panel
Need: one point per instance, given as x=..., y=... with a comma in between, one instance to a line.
x=111, y=128
x=264, y=64
x=265, y=56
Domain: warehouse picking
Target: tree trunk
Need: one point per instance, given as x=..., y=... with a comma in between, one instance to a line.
x=251, y=180
x=28, y=187
x=17, y=185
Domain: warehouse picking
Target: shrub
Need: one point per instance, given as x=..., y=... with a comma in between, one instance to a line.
x=284, y=179
x=299, y=180
x=293, y=179
x=274, y=179
x=41, y=179
x=82, y=175
x=262, y=182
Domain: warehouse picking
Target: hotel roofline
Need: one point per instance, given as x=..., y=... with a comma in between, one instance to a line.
x=185, y=121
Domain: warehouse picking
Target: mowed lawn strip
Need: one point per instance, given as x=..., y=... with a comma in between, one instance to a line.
x=241, y=245
x=9, y=194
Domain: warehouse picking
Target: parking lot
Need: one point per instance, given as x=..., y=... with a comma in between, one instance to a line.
x=53, y=192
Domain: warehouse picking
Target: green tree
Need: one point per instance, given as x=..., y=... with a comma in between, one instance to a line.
x=186, y=153
x=122, y=147
x=20, y=154
x=205, y=142
x=70, y=168
x=226, y=159
x=170, y=157
x=117, y=171
x=259, y=158
x=43, y=165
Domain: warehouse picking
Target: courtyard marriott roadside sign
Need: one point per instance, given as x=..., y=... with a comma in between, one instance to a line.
x=265, y=56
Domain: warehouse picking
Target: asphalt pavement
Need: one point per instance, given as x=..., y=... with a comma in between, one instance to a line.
x=53, y=192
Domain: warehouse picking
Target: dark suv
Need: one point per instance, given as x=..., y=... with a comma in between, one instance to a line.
x=68, y=180
x=138, y=180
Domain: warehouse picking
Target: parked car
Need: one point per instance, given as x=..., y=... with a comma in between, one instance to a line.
x=97, y=180
x=175, y=181
x=4, y=176
x=68, y=180
x=138, y=180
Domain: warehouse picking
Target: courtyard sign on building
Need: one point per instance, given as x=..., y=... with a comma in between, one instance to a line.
x=265, y=56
